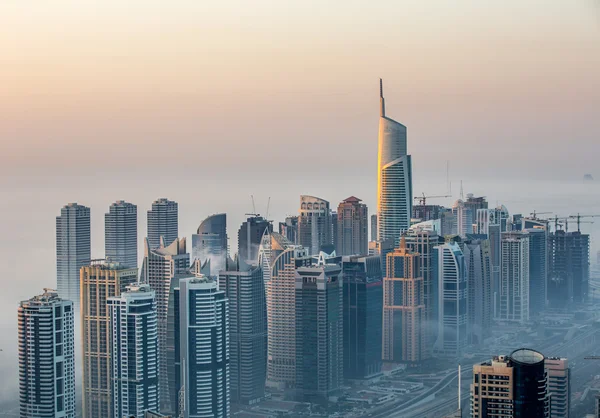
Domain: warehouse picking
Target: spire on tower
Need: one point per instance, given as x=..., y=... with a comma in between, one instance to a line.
x=381, y=99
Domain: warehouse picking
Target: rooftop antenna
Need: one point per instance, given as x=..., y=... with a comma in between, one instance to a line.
x=381, y=99
x=253, y=205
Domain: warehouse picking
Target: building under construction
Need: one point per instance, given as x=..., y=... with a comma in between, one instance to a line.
x=568, y=268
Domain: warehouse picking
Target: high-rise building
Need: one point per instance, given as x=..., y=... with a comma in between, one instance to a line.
x=404, y=337
x=474, y=204
x=319, y=331
x=204, y=345
x=427, y=212
x=464, y=218
x=163, y=221
x=245, y=290
x=73, y=249
x=100, y=281
x=209, y=243
x=559, y=386
x=134, y=352
x=281, y=316
x=514, y=280
x=162, y=267
x=568, y=267
x=120, y=234
x=478, y=267
x=451, y=293
x=373, y=227
x=249, y=238
x=511, y=386
x=538, y=265
x=363, y=310
x=46, y=357
x=314, y=224
x=394, y=178
x=289, y=229
x=381, y=249
x=352, y=227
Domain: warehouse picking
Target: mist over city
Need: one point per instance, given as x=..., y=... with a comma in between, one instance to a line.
x=349, y=209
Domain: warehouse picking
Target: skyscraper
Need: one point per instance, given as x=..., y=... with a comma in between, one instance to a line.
x=363, y=310
x=568, y=267
x=373, y=227
x=464, y=218
x=478, y=267
x=450, y=292
x=249, y=237
x=538, y=268
x=73, y=249
x=514, y=280
x=289, y=229
x=314, y=224
x=352, y=227
x=319, y=331
x=46, y=357
x=204, y=345
x=403, y=308
x=209, y=244
x=120, y=234
x=162, y=222
x=394, y=178
x=134, y=352
x=163, y=266
x=99, y=281
x=511, y=386
x=474, y=204
x=245, y=291
x=559, y=386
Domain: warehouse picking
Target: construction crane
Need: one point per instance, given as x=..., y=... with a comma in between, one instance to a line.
x=423, y=199
x=534, y=214
x=578, y=217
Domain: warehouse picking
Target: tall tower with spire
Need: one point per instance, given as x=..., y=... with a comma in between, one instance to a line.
x=394, y=178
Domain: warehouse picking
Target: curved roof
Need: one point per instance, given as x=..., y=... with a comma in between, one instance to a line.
x=215, y=224
x=527, y=356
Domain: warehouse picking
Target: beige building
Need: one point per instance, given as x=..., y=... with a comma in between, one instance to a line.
x=352, y=227
x=559, y=386
x=98, y=282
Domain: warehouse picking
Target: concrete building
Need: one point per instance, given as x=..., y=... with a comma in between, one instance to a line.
x=363, y=310
x=204, y=348
x=314, y=224
x=473, y=204
x=163, y=221
x=319, y=332
x=134, y=352
x=568, y=268
x=245, y=290
x=289, y=229
x=209, y=244
x=73, y=249
x=480, y=309
x=161, y=269
x=374, y=228
x=538, y=268
x=514, y=280
x=464, y=218
x=249, y=238
x=352, y=227
x=46, y=357
x=451, y=294
x=559, y=386
x=121, y=234
x=425, y=212
x=100, y=281
x=511, y=386
x=404, y=337
x=394, y=178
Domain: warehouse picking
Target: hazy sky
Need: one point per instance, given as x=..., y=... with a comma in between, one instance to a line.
x=207, y=102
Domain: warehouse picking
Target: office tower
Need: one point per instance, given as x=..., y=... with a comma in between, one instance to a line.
x=314, y=224
x=162, y=222
x=427, y=212
x=100, y=281
x=559, y=386
x=352, y=227
x=538, y=264
x=319, y=331
x=381, y=249
x=473, y=204
x=480, y=309
x=204, y=345
x=450, y=293
x=209, y=243
x=289, y=229
x=120, y=234
x=73, y=249
x=514, y=280
x=249, y=238
x=271, y=246
x=281, y=316
x=245, y=290
x=403, y=308
x=464, y=219
x=511, y=386
x=447, y=222
x=162, y=267
x=374, y=228
x=334, y=235
x=363, y=310
x=134, y=351
x=46, y=357
x=568, y=267
x=394, y=178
